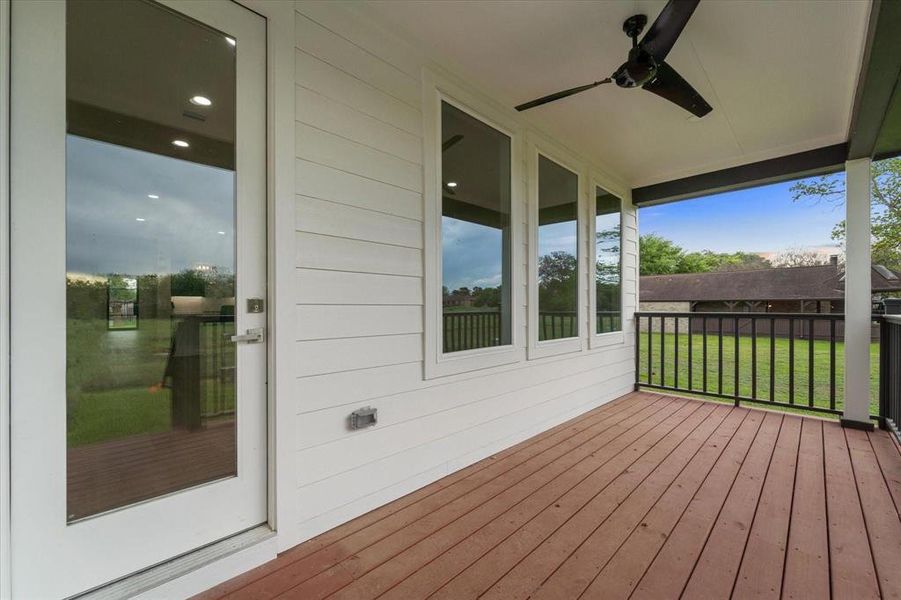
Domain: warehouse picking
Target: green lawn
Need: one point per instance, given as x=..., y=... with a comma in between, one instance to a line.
x=113, y=378
x=821, y=367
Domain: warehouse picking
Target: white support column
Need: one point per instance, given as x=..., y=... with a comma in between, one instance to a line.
x=858, y=294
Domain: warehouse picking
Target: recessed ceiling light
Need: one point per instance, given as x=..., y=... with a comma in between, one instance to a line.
x=231, y=41
x=180, y=143
x=201, y=101
x=140, y=219
x=451, y=184
x=153, y=196
x=221, y=232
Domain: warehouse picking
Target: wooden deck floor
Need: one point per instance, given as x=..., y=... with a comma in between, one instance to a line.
x=647, y=497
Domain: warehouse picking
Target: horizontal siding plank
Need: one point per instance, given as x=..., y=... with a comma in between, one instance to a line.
x=316, y=74
x=347, y=56
x=334, y=322
x=323, y=392
x=336, y=287
x=335, y=151
x=327, y=183
x=334, y=356
x=327, y=425
x=381, y=441
x=340, y=254
x=405, y=381
x=320, y=497
x=364, y=33
x=318, y=111
x=340, y=220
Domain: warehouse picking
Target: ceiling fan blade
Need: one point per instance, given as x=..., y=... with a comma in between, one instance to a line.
x=670, y=85
x=559, y=95
x=664, y=32
x=451, y=141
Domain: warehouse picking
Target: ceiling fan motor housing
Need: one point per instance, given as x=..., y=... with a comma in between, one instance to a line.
x=638, y=70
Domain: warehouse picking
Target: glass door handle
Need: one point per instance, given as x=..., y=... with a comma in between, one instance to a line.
x=253, y=336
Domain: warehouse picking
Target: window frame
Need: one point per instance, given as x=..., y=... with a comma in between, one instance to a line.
x=536, y=147
x=610, y=338
x=437, y=363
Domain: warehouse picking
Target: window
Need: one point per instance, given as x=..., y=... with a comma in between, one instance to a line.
x=558, y=251
x=608, y=262
x=475, y=233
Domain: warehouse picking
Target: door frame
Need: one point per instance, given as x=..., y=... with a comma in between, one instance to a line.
x=280, y=48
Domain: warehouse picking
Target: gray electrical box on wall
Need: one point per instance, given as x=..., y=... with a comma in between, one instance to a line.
x=363, y=417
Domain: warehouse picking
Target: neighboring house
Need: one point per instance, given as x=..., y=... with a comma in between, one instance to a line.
x=817, y=289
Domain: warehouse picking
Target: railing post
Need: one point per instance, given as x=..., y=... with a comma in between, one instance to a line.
x=858, y=298
x=884, y=371
x=637, y=351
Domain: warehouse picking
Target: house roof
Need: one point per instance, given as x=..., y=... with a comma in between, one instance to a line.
x=823, y=282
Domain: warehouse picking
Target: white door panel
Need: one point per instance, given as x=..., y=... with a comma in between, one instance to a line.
x=138, y=426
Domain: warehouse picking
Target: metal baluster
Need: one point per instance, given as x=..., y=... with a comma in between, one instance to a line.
x=791, y=360
x=754, y=357
x=650, y=350
x=832, y=364
x=719, y=373
x=691, y=383
x=662, y=350
x=810, y=362
x=772, y=360
x=676, y=355
x=735, y=359
x=704, y=347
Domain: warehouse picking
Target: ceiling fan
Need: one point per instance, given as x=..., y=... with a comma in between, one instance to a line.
x=646, y=66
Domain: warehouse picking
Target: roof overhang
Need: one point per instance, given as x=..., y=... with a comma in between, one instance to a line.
x=875, y=129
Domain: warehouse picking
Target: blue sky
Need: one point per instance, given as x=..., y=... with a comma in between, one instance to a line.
x=113, y=225
x=762, y=219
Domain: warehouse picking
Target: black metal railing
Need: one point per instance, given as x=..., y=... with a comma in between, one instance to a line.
x=467, y=330
x=778, y=359
x=471, y=329
x=557, y=324
x=890, y=373
x=609, y=320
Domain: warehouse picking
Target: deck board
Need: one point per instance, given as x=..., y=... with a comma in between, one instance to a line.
x=807, y=557
x=649, y=496
x=762, y=577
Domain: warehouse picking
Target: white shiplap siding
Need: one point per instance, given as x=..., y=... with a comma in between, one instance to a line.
x=359, y=269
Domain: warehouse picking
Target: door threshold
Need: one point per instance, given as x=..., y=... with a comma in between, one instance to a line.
x=195, y=571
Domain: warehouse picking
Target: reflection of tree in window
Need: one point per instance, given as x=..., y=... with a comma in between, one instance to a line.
x=558, y=209
x=475, y=233
x=608, y=278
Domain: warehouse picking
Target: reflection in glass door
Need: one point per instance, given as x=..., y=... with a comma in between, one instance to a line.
x=150, y=254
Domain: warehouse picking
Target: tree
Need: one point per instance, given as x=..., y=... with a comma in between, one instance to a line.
x=799, y=257
x=660, y=256
x=885, y=209
x=557, y=281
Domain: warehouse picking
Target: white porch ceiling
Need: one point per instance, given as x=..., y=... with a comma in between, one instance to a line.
x=780, y=74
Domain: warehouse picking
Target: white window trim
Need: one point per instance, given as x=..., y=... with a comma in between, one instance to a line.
x=612, y=338
x=435, y=89
x=536, y=147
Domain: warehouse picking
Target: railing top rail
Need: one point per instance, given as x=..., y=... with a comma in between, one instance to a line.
x=747, y=315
